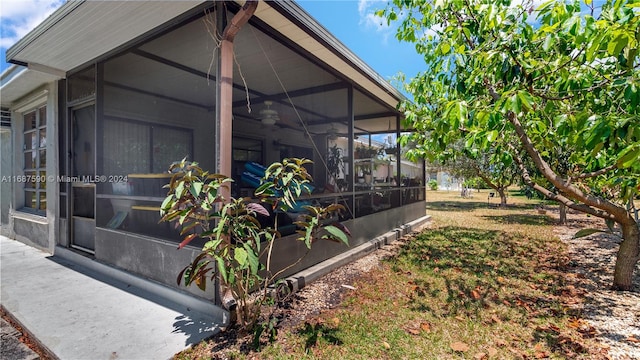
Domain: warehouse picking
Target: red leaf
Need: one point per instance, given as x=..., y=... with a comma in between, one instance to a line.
x=186, y=240
x=258, y=209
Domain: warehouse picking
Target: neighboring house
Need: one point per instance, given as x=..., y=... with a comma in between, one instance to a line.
x=444, y=179
x=104, y=95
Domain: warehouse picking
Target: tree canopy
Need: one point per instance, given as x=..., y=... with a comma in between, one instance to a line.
x=531, y=84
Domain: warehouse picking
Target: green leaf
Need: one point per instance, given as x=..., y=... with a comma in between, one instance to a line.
x=526, y=99
x=548, y=41
x=222, y=269
x=165, y=204
x=196, y=188
x=240, y=255
x=254, y=261
x=630, y=156
x=337, y=234
x=586, y=232
x=492, y=135
x=595, y=46
x=618, y=43
x=445, y=48
x=179, y=189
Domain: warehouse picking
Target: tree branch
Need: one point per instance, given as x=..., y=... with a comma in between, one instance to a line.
x=557, y=197
x=596, y=173
x=571, y=59
x=552, y=98
x=606, y=209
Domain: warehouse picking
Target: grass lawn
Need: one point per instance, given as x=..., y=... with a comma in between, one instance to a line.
x=483, y=282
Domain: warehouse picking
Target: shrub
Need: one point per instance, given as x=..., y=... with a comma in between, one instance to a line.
x=236, y=240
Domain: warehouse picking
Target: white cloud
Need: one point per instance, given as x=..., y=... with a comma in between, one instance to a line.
x=368, y=18
x=18, y=17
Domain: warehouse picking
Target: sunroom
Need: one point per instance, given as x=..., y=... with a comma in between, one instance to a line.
x=129, y=106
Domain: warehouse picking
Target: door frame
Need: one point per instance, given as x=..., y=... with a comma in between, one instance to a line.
x=78, y=182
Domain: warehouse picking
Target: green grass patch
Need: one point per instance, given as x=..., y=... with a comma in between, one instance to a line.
x=481, y=280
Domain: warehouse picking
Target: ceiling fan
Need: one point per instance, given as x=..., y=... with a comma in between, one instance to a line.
x=272, y=118
x=332, y=132
x=268, y=116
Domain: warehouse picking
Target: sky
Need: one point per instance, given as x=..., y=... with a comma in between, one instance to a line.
x=352, y=21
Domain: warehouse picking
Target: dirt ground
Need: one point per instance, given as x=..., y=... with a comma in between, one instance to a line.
x=615, y=315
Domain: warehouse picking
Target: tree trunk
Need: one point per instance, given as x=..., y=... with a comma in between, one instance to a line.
x=503, y=196
x=628, y=256
x=563, y=214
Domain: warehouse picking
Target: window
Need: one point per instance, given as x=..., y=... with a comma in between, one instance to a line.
x=132, y=147
x=35, y=159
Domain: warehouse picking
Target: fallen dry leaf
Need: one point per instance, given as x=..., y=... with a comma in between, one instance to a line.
x=480, y=356
x=492, y=352
x=475, y=294
x=336, y=321
x=425, y=327
x=459, y=346
x=633, y=339
x=501, y=343
x=386, y=345
x=413, y=331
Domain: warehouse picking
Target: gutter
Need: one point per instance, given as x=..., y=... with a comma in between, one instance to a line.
x=224, y=113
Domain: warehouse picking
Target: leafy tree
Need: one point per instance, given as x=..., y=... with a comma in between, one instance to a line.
x=509, y=78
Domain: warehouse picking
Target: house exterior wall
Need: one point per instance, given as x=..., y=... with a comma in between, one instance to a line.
x=363, y=229
x=151, y=258
x=35, y=229
x=6, y=157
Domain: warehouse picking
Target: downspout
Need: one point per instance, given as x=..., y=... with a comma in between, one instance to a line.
x=224, y=112
x=225, y=81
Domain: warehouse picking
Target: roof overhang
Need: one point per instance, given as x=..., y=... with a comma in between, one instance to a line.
x=82, y=31
x=18, y=81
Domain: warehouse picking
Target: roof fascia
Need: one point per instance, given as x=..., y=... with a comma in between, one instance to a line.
x=53, y=19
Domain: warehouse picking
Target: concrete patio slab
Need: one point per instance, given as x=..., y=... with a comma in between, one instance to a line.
x=80, y=313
